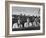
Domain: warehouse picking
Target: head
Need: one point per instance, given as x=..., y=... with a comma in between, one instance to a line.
x=35, y=20
x=18, y=20
x=28, y=20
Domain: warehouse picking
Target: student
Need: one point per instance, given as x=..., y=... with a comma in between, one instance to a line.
x=28, y=23
x=18, y=24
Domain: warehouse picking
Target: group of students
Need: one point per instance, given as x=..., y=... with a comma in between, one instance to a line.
x=26, y=24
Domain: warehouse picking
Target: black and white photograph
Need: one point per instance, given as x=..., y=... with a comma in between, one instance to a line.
x=25, y=18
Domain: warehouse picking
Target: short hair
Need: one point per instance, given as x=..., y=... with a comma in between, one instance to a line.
x=18, y=17
x=27, y=17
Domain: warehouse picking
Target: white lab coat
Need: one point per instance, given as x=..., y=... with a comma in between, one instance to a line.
x=15, y=25
x=34, y=23
x=26, y=24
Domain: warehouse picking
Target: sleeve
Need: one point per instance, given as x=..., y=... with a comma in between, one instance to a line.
x=14, y=25
x=30, y=24
x=24, y=24
x=34, y=23
x=38, y=23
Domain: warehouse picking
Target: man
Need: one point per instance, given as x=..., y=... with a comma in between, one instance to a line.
x=28, y=23
x=18, y=24
x=36, y=23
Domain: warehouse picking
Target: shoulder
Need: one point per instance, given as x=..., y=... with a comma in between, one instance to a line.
x=34, y=22
x=25, y=23
x=30, y=23
x=14, y=24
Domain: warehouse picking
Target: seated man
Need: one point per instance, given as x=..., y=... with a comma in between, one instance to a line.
x=28, y=23
x=17, y=25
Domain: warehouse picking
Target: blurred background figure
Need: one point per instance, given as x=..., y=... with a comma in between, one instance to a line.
x=36, y=22
x=28, y=23
x=18, y=24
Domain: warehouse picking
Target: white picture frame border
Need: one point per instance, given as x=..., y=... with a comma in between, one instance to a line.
x=30, y=31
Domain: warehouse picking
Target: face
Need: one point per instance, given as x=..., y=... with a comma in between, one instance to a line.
x=35, y=20
x=28, y=20
x=19, y=21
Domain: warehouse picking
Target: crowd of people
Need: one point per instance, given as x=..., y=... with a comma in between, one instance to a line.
x=26, y=24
